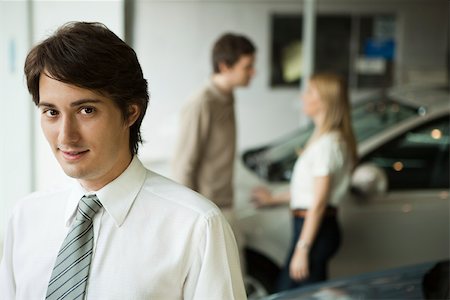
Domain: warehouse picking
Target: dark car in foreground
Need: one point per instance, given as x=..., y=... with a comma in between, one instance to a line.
x=399, y=283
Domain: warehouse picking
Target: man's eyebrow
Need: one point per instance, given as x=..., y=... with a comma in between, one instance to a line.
x=45, y=104
x=73, y=104
x=85, y=101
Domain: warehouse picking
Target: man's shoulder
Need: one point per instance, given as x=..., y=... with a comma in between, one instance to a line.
x=174, y=196
x=38, y=200
x=203, y=97
x=46, y=195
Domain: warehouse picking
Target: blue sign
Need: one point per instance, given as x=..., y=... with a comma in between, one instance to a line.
x=381, y=48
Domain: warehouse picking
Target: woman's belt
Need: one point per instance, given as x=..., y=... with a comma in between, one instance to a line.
x=330, y=211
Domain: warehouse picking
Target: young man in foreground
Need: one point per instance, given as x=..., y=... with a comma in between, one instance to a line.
x=120, y=231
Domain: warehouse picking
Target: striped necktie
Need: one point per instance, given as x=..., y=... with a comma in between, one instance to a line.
x=71, y=271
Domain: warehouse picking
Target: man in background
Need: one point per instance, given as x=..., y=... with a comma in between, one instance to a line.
x=204, y=158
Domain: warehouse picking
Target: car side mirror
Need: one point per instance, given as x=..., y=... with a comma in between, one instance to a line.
x=369, y=180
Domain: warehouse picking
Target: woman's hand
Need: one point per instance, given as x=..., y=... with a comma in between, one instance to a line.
x=299, y=267
x=261, y=196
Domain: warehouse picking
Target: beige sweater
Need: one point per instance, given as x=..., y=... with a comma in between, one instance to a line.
x=206, y=147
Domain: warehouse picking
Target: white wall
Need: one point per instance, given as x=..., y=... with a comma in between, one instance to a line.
x=15, y=122
x=173, y=40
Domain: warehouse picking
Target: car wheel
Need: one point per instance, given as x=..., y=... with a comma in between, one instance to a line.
x=261, y=275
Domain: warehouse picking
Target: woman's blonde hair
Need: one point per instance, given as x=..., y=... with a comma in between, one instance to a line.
x=333, y=92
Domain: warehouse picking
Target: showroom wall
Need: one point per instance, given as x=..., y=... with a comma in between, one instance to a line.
x=16, y=155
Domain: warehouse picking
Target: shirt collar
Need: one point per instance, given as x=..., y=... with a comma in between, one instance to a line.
x=116, y=197
x=221, y=96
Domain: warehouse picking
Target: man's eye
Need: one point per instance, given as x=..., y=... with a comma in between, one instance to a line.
x=50, y=113
x=87, y=110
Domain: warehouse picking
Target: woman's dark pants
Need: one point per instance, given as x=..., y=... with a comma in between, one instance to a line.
x=326, y=244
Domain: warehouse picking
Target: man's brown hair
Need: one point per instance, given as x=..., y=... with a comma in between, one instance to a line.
x=229, y=48
x=90, y=56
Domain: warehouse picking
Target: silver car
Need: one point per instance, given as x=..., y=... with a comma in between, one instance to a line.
x=398, y=210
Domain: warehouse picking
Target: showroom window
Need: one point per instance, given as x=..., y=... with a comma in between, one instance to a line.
x=418, y=159
x=359, y=47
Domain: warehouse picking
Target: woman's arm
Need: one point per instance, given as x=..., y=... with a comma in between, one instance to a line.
x=261, y=196
x=299, y=268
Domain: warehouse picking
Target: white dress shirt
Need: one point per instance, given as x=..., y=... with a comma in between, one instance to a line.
x=327, y=156
x=154, y=239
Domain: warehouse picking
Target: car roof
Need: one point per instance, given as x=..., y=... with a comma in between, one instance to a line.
x=397, y=283
x=425, y=98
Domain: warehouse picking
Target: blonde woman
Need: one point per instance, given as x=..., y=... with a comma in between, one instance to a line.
x=320, y=181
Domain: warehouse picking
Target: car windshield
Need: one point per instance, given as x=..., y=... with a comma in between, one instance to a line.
x=373, y=117
x=275, y=161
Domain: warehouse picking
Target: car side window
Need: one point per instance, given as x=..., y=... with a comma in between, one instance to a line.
x=419, y=159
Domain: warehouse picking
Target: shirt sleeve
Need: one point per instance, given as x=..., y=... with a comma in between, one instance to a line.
x=7, y=282
x=327, y=158
x=192, y=137
x=216, y=272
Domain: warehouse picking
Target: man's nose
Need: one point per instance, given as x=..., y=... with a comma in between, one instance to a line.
x=69, y=130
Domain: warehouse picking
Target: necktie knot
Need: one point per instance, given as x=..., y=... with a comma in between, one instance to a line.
x=88, y=207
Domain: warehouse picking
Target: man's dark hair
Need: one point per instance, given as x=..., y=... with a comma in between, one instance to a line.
x=229, y=48
x=90, y=56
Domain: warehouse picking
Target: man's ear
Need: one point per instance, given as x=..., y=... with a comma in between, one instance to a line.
x=133, y=114
x=223, y=67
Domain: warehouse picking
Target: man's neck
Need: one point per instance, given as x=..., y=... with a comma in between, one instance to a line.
x=95, y=184
x=223, y=84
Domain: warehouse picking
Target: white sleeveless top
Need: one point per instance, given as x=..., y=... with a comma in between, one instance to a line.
x=328, y=155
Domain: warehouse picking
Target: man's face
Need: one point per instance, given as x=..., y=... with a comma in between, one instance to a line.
x=86, y=132
x=242, y=71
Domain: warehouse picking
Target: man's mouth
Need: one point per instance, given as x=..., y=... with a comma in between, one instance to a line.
x=73, y=155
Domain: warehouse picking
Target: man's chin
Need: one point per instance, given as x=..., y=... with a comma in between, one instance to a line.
x=73, y=175
x=245, y=84
x=73, y=172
